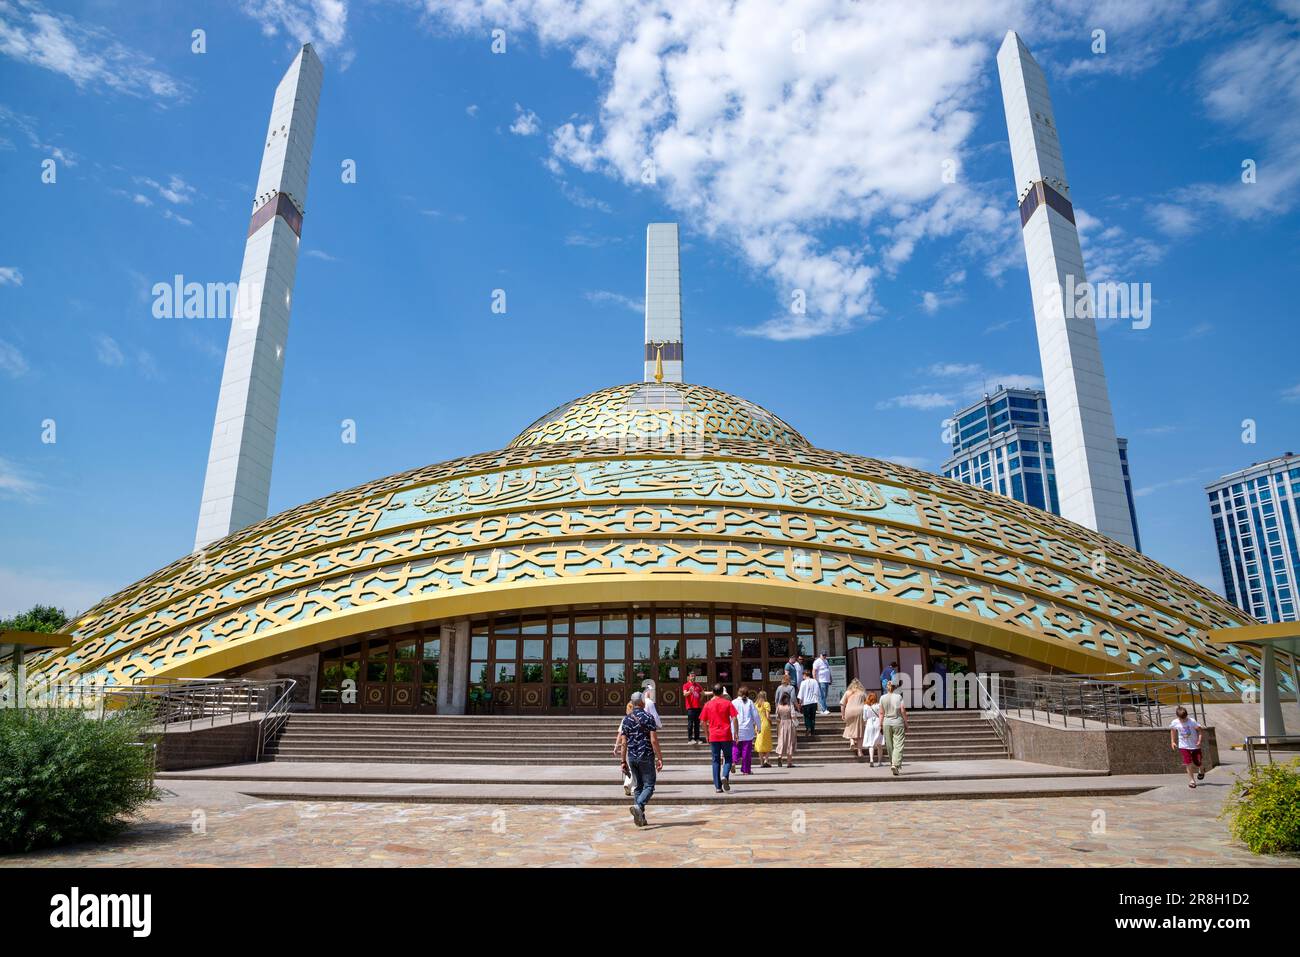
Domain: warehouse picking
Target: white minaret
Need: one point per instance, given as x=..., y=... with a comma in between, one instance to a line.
x=237, y=486
x=663, y=302
x=1089, y=479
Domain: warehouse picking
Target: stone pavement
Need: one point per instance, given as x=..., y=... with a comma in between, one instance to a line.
x=214, y=823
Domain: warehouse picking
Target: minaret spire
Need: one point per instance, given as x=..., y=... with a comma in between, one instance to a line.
x=1089, y=477
x=237, y=486
x=663, y=304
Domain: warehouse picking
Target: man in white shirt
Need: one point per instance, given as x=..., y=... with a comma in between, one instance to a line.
x=822, y=674
x=748, y=722
x=1185, y=737
x=808, y=695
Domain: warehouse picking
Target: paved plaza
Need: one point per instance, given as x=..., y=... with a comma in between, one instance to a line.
x=206, y=822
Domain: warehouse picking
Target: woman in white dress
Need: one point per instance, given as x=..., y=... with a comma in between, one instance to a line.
x=872, y=736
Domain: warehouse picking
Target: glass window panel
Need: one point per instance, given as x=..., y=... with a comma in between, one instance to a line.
x=560, y=626
x=505, y=626
x=586, y=671
x=478, y=647
x=430, y=675
x=333, y=676
x=613, y=625
x=750, y=671
x=534, y=649
x=407, y=650
x=671, y=671
x=697, y=647
x=641, y=624
x=748, y=623
x=586, y=625
x=701, y=670
x=641, y=649
x=668, y=623
x=503, y=672
x=533, y=626
x=559, y=696
x=403, y=672
x=352, y=669
x=751, y=647
x=507, y=648
x=559, y=649
x=376, y=670
x=722, y=646
x=774, y=672
x=533, y=673
x=477, y=672
x=669, y=648
x=805, y=644
x=588, y=648
x=776, y=624
x=695, y=622
x=432, y=649
x=479, y=629
x=560, y=673
x=615, y=649
x=722, y=624
x=778, y=648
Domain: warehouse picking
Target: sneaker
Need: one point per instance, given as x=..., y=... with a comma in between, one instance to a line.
x=718, y=790
x=894, y=770
x=627, y=789
x=1200, y=775
x=726, y=784
x=638, y=815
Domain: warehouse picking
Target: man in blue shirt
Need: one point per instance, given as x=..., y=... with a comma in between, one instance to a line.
x=638, y=743
x=887, y=676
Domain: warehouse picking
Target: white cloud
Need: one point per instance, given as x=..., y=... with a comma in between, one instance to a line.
x=810, y=137
x=526, y=122
x=322, y=23
x=1292, y=394
x=16, y=483
x=954, y=384
x=11, y=276
x=604, y=297
x=321, y=254
x=472, y=109
x=87, y=55
x=912, y=461
x=107, y=351
x=12, y=362
x=27, y=126
x=176, y=191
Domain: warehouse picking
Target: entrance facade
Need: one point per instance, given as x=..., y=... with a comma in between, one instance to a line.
x=579, y=661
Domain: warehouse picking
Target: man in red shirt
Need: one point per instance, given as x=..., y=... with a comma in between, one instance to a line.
x=720, y=715
x=693, y=699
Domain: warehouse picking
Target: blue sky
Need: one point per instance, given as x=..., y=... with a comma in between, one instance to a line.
x=799, y=146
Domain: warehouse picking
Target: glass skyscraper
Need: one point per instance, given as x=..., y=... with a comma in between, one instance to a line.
x=1256, y=516
x=1003, y=443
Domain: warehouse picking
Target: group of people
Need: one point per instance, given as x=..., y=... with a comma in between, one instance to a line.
x=740, y=728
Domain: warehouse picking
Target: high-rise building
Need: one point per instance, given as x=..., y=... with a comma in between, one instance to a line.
x=1089, y=474
x=1256, y=516
x=663, y=303
x=1003, y=443
x=237, y=486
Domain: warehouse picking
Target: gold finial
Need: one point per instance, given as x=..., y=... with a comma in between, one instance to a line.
x=659, y=362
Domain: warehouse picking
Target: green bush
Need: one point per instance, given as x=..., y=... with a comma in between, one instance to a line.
x=66, y=778
x=1264, y=808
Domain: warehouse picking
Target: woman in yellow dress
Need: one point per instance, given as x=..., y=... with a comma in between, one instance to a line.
x=763, y=743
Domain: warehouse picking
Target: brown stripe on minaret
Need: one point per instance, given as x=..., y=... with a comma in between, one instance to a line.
x=278, y=205
x=672, y=350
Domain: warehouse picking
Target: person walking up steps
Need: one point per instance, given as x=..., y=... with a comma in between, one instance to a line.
x=852, y=711
x=693, y=699
x=822, y=672
x=763, y=743
x=871, y=734
x=639, y=741
x=720, y=716
x=785, y=727
x=748, y=722
x=808, y=696
x=895, y=720
x=1185, y=736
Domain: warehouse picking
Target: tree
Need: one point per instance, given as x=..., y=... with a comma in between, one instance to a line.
x=43, y=618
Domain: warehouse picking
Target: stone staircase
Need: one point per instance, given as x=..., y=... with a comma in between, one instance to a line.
x=583, y=740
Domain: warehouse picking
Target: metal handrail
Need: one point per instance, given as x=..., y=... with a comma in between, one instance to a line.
x=1268, y=741
x=275, y=718
x=1121, y=699
x=994, y=714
